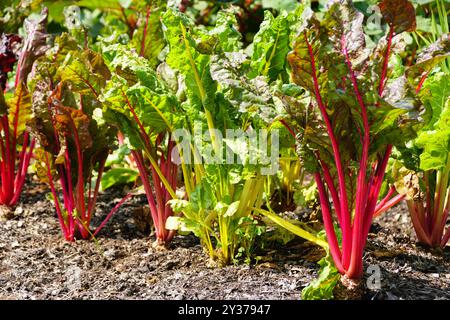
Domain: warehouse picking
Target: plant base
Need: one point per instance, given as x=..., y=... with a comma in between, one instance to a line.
x=159, y=246
x=348, y=289
x=6, y=213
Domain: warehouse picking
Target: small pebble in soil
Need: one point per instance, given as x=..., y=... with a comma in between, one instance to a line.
x=18, y=211
x=109, y=254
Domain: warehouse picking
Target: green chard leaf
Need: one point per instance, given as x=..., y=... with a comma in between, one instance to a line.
x=136, y=98
x=186, y=45
x=270, y=46
x=435, y=139
x=322, y=287
x=226, y=31
x=148, y=38
x=118, y=176
x=252, y=96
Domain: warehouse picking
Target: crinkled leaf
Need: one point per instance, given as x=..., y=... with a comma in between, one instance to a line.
x=86, y=72
x=253, y=96
x=305, y=50
x=226, y=31
x=429, y=58
x=436, y=142
x=66, y=89
x=41, y=167
x=345, y=25
x=148, y=39
x=19, y=110
x=68, y=120
x=185, y=56
x=8, y=57
x=399, y=15
x=434, y=94
x=141, y=94
x=270, y=46
x=35, y=44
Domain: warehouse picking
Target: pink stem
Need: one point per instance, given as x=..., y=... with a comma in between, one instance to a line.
x=421, y=82
x=81, y=205
x=21, y=159
x=445, y=238
x=330, y=184
x=376, y=187
x=3, y=169
x=421, y=233
x=389, y=195
x=159, y=223
x=8, y=157
x=361, y=188
x=23, y=171
x=56, y=200
x=139, y=123
x=439, y=228
x=345, y=214
x=69, y=196
x=110, y=214
x=389, y=204
x=146, y=183
x=328, y=223
x=93, y=201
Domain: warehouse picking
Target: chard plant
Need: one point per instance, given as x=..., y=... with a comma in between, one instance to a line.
x=363, y=101
x=74, y=142
x=136, y=24
x=424, y=176
x=218, y=194
x=142, y=107
x=16, y=144
x=224, y=90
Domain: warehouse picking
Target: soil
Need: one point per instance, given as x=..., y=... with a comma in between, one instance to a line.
x=37, y=263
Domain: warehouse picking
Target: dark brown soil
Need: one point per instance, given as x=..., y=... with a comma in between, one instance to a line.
x=36, y=262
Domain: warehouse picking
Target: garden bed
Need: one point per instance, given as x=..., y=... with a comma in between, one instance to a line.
x=37, y=263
